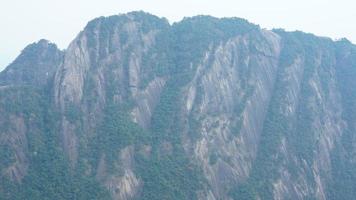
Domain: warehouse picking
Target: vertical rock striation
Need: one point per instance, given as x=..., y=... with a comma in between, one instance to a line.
x=205, y=108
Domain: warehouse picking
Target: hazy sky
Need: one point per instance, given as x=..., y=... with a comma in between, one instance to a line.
x=26, y=21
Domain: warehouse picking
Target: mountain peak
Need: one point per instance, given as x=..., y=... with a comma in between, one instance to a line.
x=134, y=16
x=36, y=63
x=205, y=108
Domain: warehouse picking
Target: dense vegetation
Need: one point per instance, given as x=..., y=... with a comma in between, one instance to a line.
x=103, y=123
x=297, y=130
x=343, y=183
x=49, y=176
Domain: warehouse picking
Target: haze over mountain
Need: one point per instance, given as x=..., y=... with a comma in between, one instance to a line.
x=205, y=108
x=60, y=21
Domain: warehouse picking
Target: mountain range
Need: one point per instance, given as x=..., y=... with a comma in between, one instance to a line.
x=206, y=108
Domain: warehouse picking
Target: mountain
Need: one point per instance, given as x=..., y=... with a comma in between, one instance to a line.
x=34, y=67
x=205, y=108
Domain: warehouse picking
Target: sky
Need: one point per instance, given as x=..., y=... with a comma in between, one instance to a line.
x=26, y=21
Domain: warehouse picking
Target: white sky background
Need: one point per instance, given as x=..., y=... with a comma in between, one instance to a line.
x=25, y=21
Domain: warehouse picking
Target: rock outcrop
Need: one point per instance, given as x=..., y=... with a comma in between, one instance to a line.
x=35, y=66
x=205, y=108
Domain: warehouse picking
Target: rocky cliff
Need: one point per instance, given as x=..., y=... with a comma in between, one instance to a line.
x=205, y=108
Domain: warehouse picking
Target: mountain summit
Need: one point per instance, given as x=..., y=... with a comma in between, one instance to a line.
x=206, y=108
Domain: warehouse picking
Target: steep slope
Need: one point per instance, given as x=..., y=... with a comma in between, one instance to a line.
x=35, y=66
x=24, y=98
x=204, y=108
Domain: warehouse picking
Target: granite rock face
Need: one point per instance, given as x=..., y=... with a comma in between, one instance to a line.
x=205, y=108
